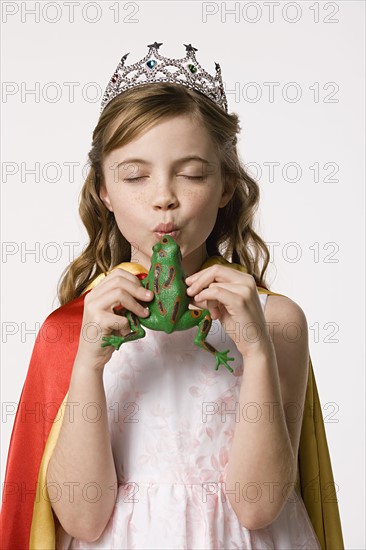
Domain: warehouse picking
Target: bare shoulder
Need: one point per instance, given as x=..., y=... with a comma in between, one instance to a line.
x=283, y=310
x=288, y=328
x=286, y=321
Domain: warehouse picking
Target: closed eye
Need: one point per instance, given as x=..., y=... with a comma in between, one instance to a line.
x=188, y=177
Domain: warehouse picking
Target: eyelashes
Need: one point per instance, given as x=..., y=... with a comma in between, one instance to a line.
x=187, y=177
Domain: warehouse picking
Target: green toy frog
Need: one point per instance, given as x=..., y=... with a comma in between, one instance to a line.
x=169, y=308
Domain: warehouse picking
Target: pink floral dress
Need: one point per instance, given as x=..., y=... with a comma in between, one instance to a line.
x=172, y=418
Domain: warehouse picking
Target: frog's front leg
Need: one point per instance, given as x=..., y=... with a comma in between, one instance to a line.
x=136, y=328
x=202, y=318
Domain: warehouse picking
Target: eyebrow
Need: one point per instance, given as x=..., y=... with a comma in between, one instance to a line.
x=178, y=161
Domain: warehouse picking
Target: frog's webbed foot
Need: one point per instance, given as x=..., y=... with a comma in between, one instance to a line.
x=112, y=340
x=220, y=356
x=137, y=332
x=222, y=359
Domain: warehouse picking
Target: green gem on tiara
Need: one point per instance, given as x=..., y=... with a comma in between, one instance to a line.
x=192, y=68
x=151, y=63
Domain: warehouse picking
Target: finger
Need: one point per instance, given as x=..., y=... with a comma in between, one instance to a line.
x=219, y=293
x=218, y=270
x=114, y=323
x=240, y=289
x=214, y=312
x=133, y=287
x=220, y=274
x=129, y=297
x=119, y=273
x=213, y=307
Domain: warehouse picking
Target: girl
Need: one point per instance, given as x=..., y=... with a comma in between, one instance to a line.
x=151, y=447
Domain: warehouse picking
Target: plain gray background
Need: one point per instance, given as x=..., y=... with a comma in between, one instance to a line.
x=312, y=205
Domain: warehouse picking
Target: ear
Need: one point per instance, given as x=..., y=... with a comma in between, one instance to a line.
x=226, y=196
x=104, y=197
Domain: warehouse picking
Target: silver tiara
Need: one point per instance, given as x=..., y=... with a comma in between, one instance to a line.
x=156, y=68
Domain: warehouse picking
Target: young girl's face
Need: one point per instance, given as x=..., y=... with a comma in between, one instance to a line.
x=151, y=181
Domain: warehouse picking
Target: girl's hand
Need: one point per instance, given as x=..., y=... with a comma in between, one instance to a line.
x=232, y=297
x=99, y=319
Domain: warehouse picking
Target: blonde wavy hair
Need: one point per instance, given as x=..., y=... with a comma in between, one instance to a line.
x=124, y=119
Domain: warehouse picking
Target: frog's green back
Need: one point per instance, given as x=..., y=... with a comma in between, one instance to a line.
x=166, y=278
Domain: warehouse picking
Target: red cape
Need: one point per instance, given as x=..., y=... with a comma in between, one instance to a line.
x=46, y=384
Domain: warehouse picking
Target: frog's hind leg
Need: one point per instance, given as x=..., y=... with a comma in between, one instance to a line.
x=137, y=332
x=200, y=340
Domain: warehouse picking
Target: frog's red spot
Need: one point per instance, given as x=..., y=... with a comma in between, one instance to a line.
x=135, y=321
x=195, y=313
x=161, y=307
x=171, y=276
x=141, y=276
x=206, y=326
x=175, y=311
x=208, y=347
x=157, y=272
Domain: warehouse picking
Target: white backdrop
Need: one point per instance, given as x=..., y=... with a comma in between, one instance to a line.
x=294, y=72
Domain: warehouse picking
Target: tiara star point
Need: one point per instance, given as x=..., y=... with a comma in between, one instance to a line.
x=190, y=48
x=155, y=45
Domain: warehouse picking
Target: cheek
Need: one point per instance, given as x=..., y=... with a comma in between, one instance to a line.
x=199, y=201
x=197, y=197
x=125, y=204
x=136, y=199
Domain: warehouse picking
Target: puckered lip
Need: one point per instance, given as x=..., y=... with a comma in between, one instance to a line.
x=166, y=227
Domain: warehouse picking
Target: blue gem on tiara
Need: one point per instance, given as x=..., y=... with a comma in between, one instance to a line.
x=154, y=67
x=151, y=64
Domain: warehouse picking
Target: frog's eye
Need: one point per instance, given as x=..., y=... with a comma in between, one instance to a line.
x=165, y=240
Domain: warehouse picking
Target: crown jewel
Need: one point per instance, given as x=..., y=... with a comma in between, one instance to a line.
x=157, y=68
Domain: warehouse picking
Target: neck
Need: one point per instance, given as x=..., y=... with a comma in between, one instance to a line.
x=193, y=262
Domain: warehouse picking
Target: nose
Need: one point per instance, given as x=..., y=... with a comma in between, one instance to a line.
x=164, y=194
